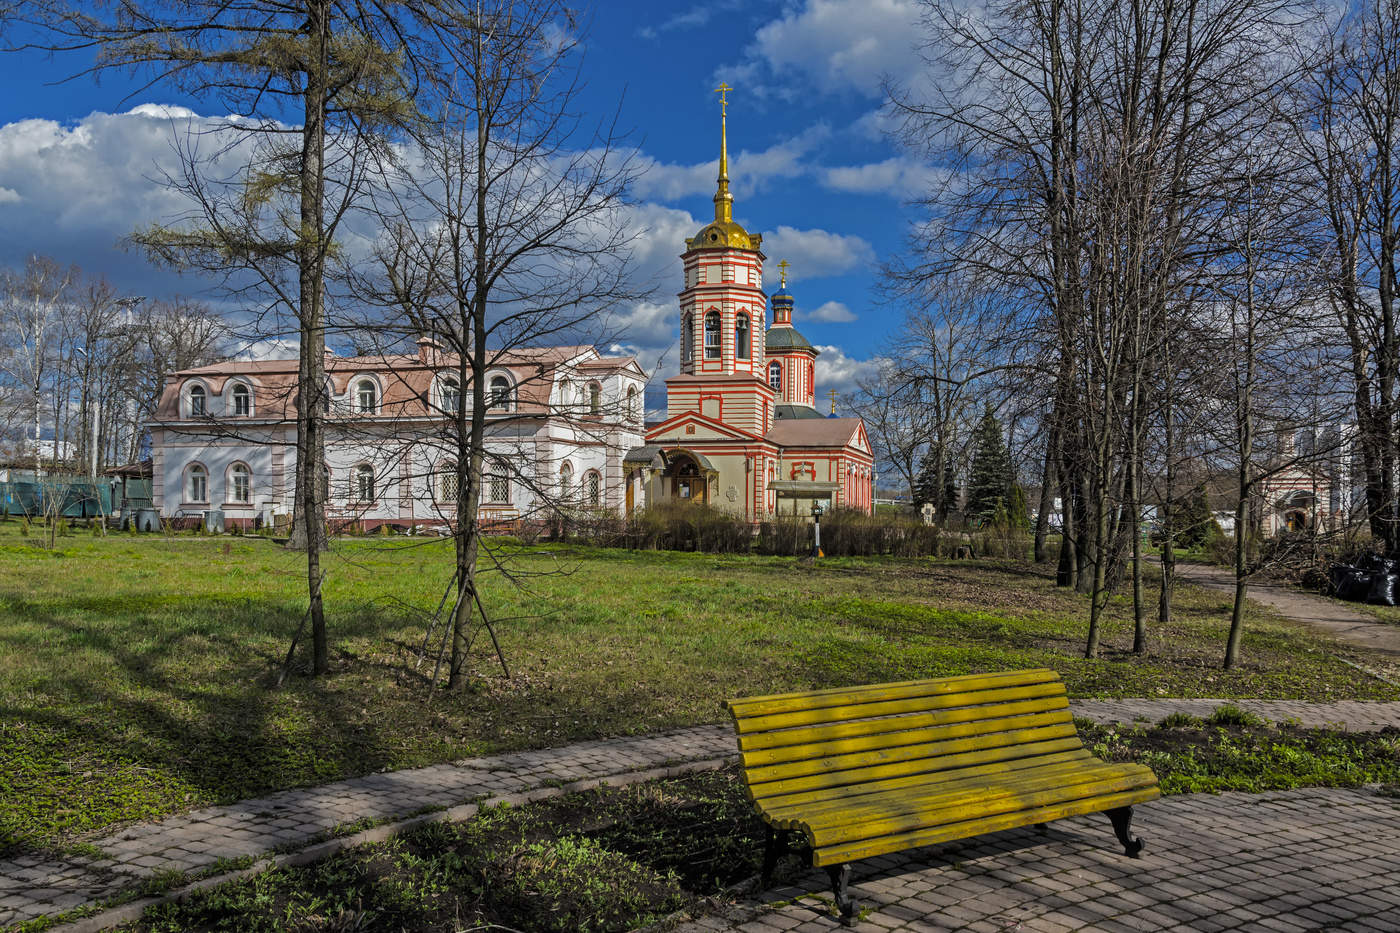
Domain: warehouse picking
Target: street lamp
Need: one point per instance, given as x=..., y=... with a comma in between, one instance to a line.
x=817, y=530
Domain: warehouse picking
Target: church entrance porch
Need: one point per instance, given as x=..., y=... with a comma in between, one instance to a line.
x=687, y=481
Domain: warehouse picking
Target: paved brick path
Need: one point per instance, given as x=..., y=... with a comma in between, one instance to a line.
x=33, y=886
x=1315, y=859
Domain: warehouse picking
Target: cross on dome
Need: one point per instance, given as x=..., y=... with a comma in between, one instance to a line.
x=782, y=269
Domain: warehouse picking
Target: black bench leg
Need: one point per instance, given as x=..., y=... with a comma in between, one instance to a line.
x=773, y=850
x=1122, y=819
x=845, y=904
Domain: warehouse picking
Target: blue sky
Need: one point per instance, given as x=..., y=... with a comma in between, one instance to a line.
x=812, y=169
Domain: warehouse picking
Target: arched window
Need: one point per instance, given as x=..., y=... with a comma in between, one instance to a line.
x=197, y=484
x=364, y=483
x=451, y=393
x=448, y=489
x=366, y=397
x=687, y=336
x=240, y=483
x=500, y=392
x=595, y=399
x=197, y=402
x=741, y=337
x=242, y=401
x=631, y=403
x=712, y=335
x=566, y=481
x=593, y=485
x=775, y=375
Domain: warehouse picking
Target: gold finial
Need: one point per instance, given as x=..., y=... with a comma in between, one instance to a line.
x=782, y=269
x=724, y=201
x=831, y=394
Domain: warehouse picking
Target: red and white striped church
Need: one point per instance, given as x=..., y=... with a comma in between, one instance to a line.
x=742, y=431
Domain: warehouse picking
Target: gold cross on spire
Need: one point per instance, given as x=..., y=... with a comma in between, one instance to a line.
x=723, y=90
x=831, y=394
x=782, y=269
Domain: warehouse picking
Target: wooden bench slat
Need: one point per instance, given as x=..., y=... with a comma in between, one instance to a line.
x=930, y=711
x=1010, y=730
x=1058, y=737
x=933, y=802
x=904, y=706
x=948, y=832
x=904, y=814
x=980, y=763
x=748, y=707
x=909, y=730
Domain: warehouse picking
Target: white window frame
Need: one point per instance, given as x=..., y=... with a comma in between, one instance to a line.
x=358, y=475
x=496, y=401
x=203, y=392
x=202, y=472
x=359, y=396
x=241, y=392
x=237, y=471
x=775, y=376
x=714, y=349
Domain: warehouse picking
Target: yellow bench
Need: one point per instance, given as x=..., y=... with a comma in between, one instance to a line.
x=865, y=771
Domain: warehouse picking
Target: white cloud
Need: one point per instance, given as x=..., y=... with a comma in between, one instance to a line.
x=817, y=253
x=833, y=312
x=748, y=171
x=692, y=18
x=836, y=370
x=837, y=45
x=9, y=195
x=898, y=177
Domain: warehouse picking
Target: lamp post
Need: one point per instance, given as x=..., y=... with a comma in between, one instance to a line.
x=817, y=530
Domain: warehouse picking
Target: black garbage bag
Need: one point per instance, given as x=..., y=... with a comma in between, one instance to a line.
x=1339, y=572
x=1385, y=590
x=1375, y=563
x=1355, y=585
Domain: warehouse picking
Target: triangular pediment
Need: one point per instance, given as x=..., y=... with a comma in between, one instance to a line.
x=692, y=426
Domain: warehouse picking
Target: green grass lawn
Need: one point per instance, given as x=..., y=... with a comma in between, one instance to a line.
x=135, y=673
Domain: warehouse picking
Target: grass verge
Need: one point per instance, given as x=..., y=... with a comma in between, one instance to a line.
x=136, y=672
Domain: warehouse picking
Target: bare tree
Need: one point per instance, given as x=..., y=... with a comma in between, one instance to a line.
x=346, y=70
x=31, y=306
x=502, y=231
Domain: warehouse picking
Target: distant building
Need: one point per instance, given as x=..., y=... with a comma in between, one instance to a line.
x=742, y=432
x=559, y=420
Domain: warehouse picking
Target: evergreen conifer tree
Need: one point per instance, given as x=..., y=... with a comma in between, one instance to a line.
x=926, y=487
x=990, y=480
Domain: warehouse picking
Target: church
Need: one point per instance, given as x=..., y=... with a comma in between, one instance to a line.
x=742, y=432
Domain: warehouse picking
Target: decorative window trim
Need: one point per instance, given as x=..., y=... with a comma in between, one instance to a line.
x=592, y=488
x=356, y=402
x=595, y=397
x=566, y=480
x=743, y=337
x=231, y=484
x=187, y=395
x=357, y=486
x=775, y=376
x=187, y=490
x=441, y=402
x=232, y=391
x=631, y=410
x=496, y=402
x=714, y=328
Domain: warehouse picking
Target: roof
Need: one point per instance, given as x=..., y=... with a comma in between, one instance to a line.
x=786, y=337
x=406, y=380
x=793, y=412
x=813, y=432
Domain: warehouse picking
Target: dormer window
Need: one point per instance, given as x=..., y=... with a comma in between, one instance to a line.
x=198, y=400
x=712, y=335
x=366, y=397
x=741, y=337
x=775, y=375
x=451, y=395
x=242, y=401
x=500, y=393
